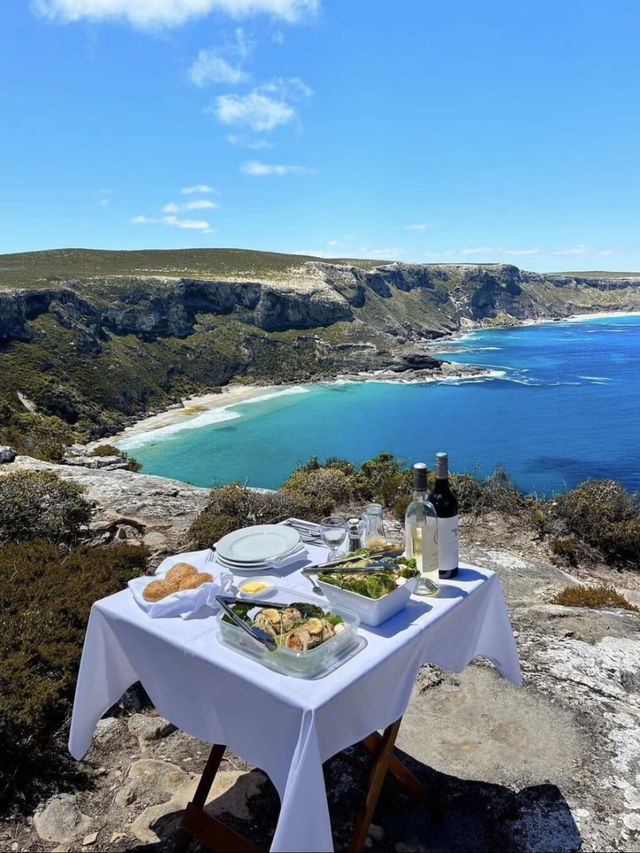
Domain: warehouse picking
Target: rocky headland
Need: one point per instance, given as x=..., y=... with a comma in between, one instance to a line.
x=77, y=326
x=553, y=765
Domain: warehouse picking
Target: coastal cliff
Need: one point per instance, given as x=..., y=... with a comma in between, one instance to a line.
x=95, y=338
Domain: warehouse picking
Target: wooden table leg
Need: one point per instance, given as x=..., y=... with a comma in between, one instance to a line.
x=376, y=779
x=196, y=823
x=385, y=762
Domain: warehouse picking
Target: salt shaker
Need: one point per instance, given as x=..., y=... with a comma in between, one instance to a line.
x=356, y=528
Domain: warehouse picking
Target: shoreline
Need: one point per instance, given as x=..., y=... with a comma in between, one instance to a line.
x=194, y=410
x=197, y=407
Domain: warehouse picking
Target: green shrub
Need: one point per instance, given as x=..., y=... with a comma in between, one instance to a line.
x=110, y=450
x=41, y=436
x=383, y=479
x=39, y=505
x=234, y=506
x=46, y=597
x=566, y=550
x=322, y=489
x=602, y=514
x=593, y=596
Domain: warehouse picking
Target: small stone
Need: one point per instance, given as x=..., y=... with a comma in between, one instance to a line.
x=632, y=821
x=14, y=846
x=7, y=454
x=117, y=836
x=60, y=819
x=90, y=839
x=148, y=728
x=150, y=780
x=376, y=833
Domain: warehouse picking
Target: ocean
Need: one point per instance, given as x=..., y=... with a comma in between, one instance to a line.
x=561, y=405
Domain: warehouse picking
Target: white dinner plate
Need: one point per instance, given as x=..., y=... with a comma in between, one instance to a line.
x=260, y=564
x=254, y=545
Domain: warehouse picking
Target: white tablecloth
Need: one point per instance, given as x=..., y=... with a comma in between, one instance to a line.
x=287, y=726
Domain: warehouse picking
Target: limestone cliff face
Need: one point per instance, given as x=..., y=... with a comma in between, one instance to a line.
x=93, y=349
x=398, y=299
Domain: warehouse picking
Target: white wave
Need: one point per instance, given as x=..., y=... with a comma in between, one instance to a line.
x=211, y=416
x=294, y=389
x=598, y=380
x=603, y=315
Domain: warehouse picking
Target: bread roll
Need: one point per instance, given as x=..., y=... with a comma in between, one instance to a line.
x=155, y=590
x=179, y=572
x=194, y=581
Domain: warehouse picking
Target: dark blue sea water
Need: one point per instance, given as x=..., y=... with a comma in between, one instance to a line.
x=562, y=405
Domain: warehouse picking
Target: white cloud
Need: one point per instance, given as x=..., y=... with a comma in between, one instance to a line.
x=265, y=107
x=259, y=112
x=532, y=251
x=200, y=204
x=255, y=167
x=192, y=224
x=574, y=250
x=198, y=188
x=417, y=227
x=479, y=250
x=255, y=144
x=168, y=13
x=209, y=67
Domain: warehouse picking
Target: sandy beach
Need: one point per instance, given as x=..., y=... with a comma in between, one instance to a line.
x=194, y=407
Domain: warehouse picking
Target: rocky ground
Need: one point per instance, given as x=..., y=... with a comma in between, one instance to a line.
x=552, y=765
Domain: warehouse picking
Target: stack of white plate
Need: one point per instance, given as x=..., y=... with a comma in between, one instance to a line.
x=253, y=549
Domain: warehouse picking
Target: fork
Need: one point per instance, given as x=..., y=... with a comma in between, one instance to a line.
x=211, y=554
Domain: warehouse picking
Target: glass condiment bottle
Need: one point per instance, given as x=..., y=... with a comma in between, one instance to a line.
x=374, y=535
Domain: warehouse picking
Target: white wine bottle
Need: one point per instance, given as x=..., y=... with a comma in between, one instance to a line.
x=446, y=506
x=421, y=533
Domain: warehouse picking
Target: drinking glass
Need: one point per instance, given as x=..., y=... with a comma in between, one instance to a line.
x=333, y=530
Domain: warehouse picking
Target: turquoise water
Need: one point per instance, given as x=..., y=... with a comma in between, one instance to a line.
x=562, y=405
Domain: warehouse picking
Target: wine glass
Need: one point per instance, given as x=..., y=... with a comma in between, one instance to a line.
x=333, y=529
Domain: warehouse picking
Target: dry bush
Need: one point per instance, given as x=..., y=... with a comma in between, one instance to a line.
x=593, y=596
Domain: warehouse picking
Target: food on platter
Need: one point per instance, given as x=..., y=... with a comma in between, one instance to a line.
x=378, y=575
x=299, y=626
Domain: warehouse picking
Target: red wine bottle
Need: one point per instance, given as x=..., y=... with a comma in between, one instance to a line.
x=446, y=506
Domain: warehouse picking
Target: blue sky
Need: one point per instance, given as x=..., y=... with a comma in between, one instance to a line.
x=409, y=130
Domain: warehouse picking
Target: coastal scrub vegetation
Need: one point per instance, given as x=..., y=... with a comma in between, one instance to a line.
x=39, y=505
x=597, y=521
x=49, y=578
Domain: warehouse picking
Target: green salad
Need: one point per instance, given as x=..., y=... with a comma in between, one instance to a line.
x=393, y=572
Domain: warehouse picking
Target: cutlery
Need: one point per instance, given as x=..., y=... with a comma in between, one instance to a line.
x=304, y=608
x=257, y=634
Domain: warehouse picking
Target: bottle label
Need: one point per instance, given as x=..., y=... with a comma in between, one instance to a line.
x=448, y=543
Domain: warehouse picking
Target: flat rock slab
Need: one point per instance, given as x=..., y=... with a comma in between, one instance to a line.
x=60, y=819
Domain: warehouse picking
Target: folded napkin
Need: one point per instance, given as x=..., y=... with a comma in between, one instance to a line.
x=189, y=601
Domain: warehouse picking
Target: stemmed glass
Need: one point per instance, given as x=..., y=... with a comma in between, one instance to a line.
x=333, y=530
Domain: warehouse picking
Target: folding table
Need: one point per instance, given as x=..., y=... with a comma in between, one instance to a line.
x=285, y=725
